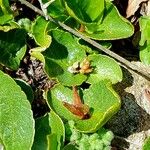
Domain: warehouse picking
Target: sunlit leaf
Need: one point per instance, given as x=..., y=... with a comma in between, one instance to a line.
x=100, y=97
x=104, y=67
x=17, y=124
x=39, y=31
x=63, y=53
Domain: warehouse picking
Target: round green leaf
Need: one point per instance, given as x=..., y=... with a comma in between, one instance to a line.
x=104, y=67
x=100, y=97
x=17, y=124
x=39, y=31
x=113, y=25
x=63, y=53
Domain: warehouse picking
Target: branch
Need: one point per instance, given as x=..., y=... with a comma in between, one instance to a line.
x=123, y=62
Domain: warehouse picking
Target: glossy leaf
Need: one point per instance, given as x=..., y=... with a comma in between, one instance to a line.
x=85, y=10
x=63, y=53
x=113, y=25
x=17, y=124
x=104, y=67
x=145, y=39
x=39, y=31
x=100, y=97
x=13, y=49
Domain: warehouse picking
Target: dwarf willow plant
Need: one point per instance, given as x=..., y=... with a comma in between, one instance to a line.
x=67, y=59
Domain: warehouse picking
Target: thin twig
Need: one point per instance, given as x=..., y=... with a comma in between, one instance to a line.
x=124, y=62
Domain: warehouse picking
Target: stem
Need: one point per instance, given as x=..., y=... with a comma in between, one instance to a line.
x=123, y=62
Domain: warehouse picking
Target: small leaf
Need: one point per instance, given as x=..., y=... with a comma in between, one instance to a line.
x=36, y=53
x=63, y=53
x=17, y=124
x=100, y=97
x=39, y=31
x=104, y=67
x=13, y=49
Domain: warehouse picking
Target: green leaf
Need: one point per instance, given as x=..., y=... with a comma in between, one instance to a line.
x=63, y=53
x=4, y=5
x=145, y=53
x=5, y=19
x=26, y=24
x=113, y=25
x=12, y=48
x=104, y=68
x=85, y=10
x=144, y=22
x=56, y=10
x=36, y=53
x=17, y=124
x=49, y=132
x=146, y=145
x=9, y=26
x=70, y=146
x=26, y=88
x=42, y=130
x=58, y=129
x=5, y=12
x=39, y=31
x=100, y=97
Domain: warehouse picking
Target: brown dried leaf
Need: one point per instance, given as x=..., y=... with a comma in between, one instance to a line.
x=133, y=5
